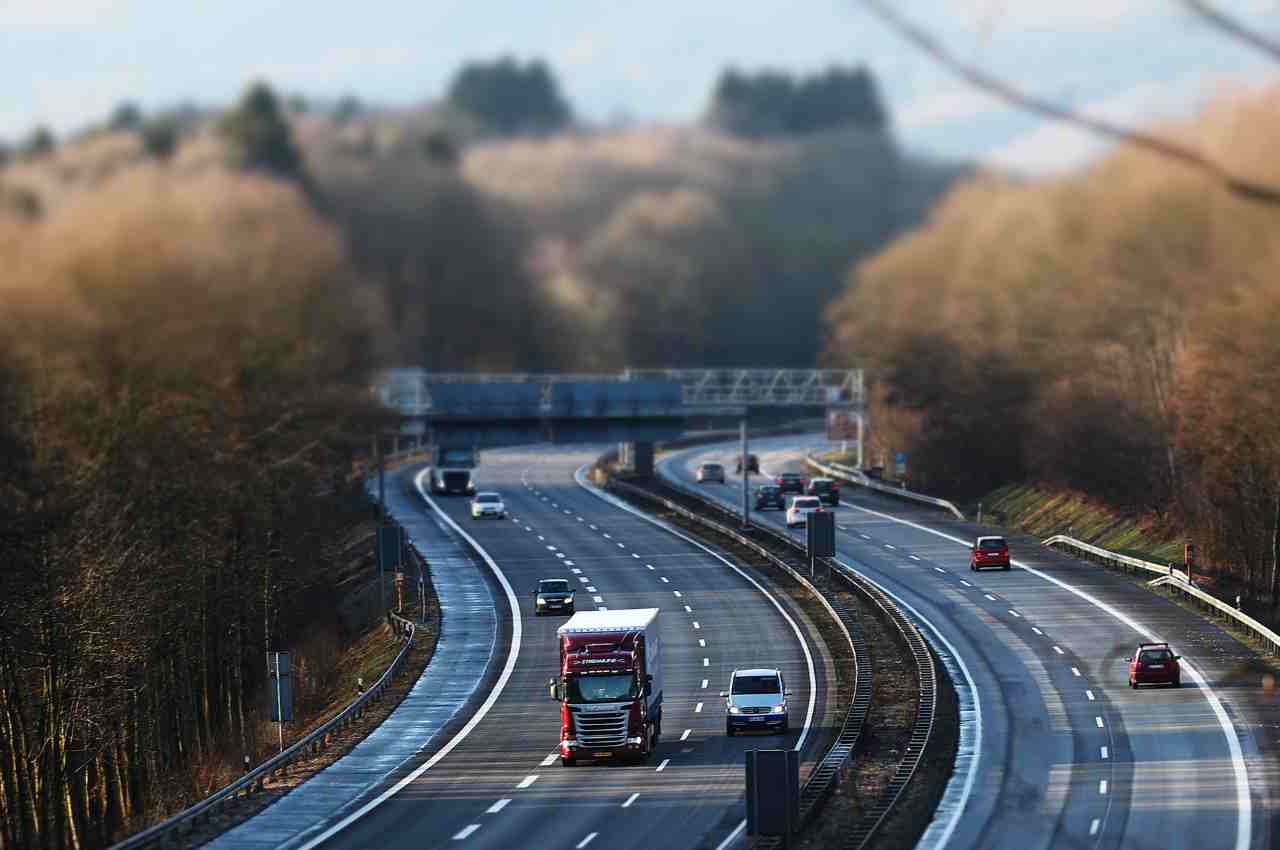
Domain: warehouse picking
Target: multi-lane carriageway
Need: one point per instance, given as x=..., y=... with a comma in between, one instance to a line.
x=502, y=786
x=1068, y=755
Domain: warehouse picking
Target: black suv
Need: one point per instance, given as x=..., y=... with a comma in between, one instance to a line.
x=553, y=594
x=827, y=491
x=791, y=482
x=753, y=464
x=770, y=496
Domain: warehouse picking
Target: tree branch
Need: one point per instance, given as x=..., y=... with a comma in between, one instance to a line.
x=1233, y=27
x=1009, y=93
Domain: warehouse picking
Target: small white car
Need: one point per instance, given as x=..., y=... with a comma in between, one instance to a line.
x=801, y=507
x=488, y=505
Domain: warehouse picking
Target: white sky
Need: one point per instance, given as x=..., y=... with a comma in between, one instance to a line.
x=68, y=62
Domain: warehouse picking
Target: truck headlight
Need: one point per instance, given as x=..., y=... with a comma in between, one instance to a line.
x=541, y=602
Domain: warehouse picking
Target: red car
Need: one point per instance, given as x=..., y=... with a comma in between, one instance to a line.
x=1154, y=664
x=989, y=552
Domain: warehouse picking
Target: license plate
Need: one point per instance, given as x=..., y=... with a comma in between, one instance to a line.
x=757, y=720
x=604, y=755
x=1155, y=667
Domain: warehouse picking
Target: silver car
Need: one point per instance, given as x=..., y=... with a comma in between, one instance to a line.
x=710, y=472
x=756, y=700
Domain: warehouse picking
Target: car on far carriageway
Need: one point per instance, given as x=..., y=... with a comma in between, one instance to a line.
x=1154, y=664
x=791, y=482
x=710, y=472
x=753, y=464
x=826, y=489
x=770, y=496
x=756, y=700
x=488, y=505
x=989, y=552
x=801, y=507
x=553, y=594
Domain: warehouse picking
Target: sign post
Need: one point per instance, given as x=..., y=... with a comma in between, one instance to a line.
x=744, y=458
x=281, y=690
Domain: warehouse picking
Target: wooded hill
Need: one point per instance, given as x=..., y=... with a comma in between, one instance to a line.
x=1115, y=333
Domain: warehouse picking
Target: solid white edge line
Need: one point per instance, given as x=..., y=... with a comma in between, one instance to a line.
x=1244, y=799
x=512, y=655
x=971, y=775
x=580, y=477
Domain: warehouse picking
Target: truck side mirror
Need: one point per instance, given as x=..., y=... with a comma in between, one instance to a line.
x=551, y=686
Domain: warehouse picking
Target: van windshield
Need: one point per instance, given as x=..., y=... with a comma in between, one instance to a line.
x=608, y=688
x=767, y=684
x=557, y=585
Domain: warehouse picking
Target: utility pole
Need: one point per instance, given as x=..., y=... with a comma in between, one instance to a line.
x=746, y=475
x=382, y=520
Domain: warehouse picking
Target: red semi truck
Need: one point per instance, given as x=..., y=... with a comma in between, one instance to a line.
x=610, y=685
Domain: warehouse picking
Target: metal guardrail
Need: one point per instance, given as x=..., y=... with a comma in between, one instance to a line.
x=314, y=742
x=822, y=779
x=857, y=476
x=1175, y=579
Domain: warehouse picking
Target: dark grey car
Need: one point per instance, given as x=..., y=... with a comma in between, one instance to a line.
x=553, y=595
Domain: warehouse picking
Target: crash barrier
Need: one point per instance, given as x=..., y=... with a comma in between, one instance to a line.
x=1175, y=579
x=313, y=743
x=822, y=780
x=857, y=476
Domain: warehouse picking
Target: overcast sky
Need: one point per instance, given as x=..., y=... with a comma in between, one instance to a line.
x=68, y=62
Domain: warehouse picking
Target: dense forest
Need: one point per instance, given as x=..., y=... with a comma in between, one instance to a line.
x=193, y=305
x=1112, y=333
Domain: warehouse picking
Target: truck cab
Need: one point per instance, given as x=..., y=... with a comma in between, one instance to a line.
x=451, y=470
x=609, y=685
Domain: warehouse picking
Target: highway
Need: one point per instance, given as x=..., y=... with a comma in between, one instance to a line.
x=1070, y=756
x=502, y=786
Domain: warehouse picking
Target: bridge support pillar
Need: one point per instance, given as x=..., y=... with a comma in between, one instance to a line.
x=640, y=457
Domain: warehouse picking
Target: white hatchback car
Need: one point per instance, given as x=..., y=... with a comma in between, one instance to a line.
x=488, y=505
x=801, y=507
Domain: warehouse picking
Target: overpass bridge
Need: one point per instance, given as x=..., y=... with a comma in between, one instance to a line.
x=636, y=407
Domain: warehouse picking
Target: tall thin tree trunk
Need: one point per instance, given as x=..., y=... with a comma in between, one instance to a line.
x=1275, y=549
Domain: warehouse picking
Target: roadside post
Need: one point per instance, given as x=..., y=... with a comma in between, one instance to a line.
x=746, y=478
x=769, y=812
x=820, y=540
x=278, y=672
x=389, y=548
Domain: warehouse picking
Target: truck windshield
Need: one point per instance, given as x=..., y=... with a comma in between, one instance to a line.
x=458, y=457
x=608, y=688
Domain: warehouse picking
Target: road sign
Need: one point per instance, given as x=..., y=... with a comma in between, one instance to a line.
x=900, y=462
x=278, y=672
x=842, y=424
x=389, y=548
x=820, y=533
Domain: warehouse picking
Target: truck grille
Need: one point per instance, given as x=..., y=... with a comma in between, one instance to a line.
x=601, y=728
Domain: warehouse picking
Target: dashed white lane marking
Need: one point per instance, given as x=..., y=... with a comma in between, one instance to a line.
x=864, y=536
x=650, y=566
x=593, y=528
x=936, y=569
x=528, y=780
x=1075, y=671
x=704, y=683
x=684, y=736
x=540, y=537
x=576, y=571
x=1090, y=695
x=580, y=519
x=569, y=563
x=695, y=625
x=559, y=554
x=917, y=557
x=1102, y=786
x=583, y=579
x=689, y=610
x=706, y=662
x=584, y=842
x=1037, y=631
x=555, y=505
x=601, y=608
x=608, y=536
x=663, y=766
x=1106, y=753
x=465, y=831
x=568, y=513
x=965, y=583
x=622, y=545
x=591, y=589
x=890, y=546
x=1058, y=650
x=701, y=642
x=633, y=797
x=1093, y=826
x=665, y=580
x=1098, y=721
x=1014, y=613
x=528, y=528
x=498, y=806
x=597, y=599
x=634, y=555
x=549, y=760
x=697, y=709
x=989, y=596
x=677, y=593
x=550, y=548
